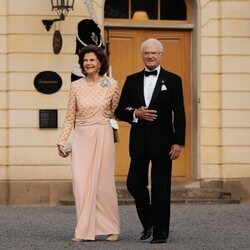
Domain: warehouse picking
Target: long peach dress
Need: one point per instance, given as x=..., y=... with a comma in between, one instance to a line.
x=93, y=157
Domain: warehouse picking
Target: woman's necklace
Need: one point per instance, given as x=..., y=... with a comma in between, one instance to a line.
x=92, y=83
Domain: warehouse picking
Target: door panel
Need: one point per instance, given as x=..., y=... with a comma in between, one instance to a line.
x=125, y=59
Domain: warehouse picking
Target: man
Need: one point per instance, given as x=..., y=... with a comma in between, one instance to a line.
x=152, y=102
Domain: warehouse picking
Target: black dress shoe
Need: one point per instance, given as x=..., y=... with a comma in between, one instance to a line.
x=158, y=241
x=146, y=234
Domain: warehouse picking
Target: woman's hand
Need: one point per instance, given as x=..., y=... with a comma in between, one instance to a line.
x=61, y=151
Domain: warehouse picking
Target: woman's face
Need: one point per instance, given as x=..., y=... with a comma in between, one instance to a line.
x=91, y=64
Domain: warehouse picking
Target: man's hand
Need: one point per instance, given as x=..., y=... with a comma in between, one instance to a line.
x=175, y=151
x=146, y=114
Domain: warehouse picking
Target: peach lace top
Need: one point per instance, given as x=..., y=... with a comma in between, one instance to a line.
x=85, y=100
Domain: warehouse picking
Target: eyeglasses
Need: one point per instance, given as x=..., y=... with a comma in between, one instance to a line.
x=151, y=53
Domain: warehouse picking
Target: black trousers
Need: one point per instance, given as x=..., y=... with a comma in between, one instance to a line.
x=154, y=210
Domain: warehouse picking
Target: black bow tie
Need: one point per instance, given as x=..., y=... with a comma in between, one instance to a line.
x=148, y=73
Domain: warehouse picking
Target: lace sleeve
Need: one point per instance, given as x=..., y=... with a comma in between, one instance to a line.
x=70, y=117
x=115, y=98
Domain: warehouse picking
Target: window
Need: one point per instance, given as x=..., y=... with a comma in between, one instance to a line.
x=155, y=9
x=116, y=9
x=173, y=10
x=151, y=7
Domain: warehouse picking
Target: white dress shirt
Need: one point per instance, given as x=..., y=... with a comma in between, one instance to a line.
x=149, y=85
x=148, y=88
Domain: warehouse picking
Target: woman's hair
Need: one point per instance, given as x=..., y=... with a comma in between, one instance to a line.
x=100, y=54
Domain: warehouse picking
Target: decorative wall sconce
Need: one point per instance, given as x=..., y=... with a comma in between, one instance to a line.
x=62, y=7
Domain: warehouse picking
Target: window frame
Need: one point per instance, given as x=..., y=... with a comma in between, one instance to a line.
x=151, y=21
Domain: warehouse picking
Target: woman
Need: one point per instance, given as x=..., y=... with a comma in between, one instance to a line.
x=92, y=102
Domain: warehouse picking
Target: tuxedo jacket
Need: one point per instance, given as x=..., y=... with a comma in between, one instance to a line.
x=154, y=138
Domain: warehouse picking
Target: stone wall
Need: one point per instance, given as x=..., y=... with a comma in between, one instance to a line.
x=225, y=95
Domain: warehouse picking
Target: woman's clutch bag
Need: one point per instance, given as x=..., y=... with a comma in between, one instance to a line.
x=68, y=147
x=115, y=127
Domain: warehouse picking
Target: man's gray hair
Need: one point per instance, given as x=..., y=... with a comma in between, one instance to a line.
x=152, y=40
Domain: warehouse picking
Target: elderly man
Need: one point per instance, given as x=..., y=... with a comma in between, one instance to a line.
x=152, y=102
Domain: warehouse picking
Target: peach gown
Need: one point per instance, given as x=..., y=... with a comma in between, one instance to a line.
x=93, y=178
x=93, y=160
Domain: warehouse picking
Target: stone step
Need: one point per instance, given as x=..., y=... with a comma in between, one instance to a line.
x=130, y=201
x=184, y=193
x=204, y=201
x=189, y=193
x=192, y=195
x=197, y=193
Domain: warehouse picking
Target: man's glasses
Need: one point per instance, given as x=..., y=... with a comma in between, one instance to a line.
x=151, y=53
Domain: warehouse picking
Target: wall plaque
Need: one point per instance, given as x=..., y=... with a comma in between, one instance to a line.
x=47, y=82
x=48, y=118
x=57, y=42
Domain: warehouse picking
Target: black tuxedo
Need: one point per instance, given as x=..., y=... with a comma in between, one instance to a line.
x=152, y=141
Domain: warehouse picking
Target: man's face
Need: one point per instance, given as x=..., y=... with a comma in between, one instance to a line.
x=151, y=56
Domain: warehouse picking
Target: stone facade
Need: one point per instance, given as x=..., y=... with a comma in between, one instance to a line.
x=29, y=163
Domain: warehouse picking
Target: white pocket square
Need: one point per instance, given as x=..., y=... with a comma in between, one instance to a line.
x=163, y=87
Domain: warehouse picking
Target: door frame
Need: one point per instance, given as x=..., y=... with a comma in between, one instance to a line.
x=175, y=61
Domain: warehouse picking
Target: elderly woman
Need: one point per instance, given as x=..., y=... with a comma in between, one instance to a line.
x=92, y=101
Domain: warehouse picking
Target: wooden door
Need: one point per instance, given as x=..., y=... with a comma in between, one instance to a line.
x=125, y=59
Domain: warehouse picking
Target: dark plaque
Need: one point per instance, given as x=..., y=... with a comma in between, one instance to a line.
x=57, y=42
x=47, y=82
x=48, y=118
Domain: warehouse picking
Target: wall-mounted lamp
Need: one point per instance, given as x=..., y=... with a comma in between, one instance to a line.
x=140, y=15
x=62, y=7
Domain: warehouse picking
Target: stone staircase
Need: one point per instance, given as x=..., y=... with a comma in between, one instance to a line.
x=183, y=192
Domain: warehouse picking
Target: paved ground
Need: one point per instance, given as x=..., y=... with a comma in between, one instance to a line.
x=192, y=227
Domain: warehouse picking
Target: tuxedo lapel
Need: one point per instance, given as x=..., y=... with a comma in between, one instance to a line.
x=139, y=86
x=161, y=79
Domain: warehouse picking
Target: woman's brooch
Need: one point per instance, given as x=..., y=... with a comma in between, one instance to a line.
x=105, y=82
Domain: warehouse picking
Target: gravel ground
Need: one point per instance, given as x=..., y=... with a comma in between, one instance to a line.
x=192, y=227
